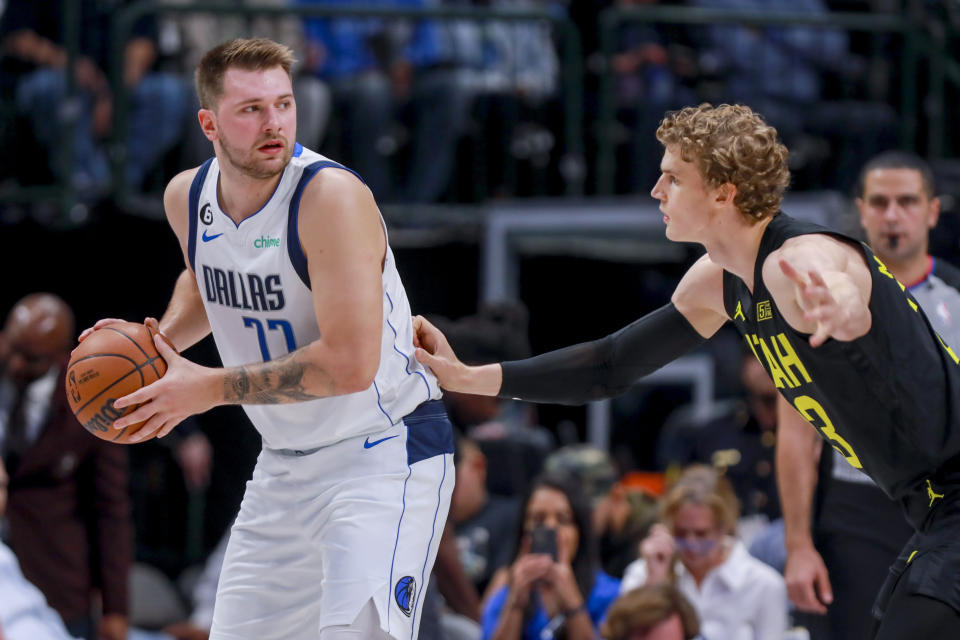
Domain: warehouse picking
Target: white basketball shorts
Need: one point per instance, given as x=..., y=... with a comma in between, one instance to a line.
x=319, y=535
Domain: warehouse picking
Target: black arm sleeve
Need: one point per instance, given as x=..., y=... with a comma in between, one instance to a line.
x=603, y=368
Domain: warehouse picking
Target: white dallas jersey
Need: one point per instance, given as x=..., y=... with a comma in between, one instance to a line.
x=255, y=287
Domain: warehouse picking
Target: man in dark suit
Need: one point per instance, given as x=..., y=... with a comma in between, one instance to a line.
x=69, y=511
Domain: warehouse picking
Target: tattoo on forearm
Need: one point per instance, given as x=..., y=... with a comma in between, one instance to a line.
x=238, y=385
x=275, y=382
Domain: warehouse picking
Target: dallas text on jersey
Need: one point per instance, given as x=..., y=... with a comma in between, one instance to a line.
x=243, y=290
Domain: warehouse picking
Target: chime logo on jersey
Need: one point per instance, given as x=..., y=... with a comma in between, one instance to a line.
x=405, y=592
x=265, y=242
x=764, y=310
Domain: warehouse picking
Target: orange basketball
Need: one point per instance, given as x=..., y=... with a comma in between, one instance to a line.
x=110, y=363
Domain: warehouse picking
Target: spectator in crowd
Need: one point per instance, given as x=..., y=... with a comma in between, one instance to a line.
x=24, y=613
x=377, y=69
x=484, y=523
x=623, y=518
x=197, y=33
x=838, y=552
x=517, y=98
x=651, y=612
x=591, y=469
x=735, y=595
x=555, y=581
x=32, y=34
x=197, y=626
x=69, y=511
x=780, y=71
x=655, y=70
x=739, y=440
x=620, y=518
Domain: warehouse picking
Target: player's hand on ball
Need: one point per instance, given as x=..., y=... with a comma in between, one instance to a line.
x=186, y=389
x=100, y=324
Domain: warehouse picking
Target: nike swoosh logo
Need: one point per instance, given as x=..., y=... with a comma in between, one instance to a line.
x=367, y=444
x=207, y=238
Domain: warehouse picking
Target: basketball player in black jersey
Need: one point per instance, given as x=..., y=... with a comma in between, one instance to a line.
x=842, y=532
x=845, y=344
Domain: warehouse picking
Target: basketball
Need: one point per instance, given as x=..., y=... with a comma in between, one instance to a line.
x=109, y=364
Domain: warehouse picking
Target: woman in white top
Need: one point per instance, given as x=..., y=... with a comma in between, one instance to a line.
x=736, y=596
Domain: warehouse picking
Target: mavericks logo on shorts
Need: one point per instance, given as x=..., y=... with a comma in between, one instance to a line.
x=405, y=593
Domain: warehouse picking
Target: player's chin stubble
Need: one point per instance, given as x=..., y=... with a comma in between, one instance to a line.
x=253, y=168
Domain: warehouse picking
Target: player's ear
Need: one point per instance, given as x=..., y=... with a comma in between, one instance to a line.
x=208, y=124
x=726, y=193
x=934, y=216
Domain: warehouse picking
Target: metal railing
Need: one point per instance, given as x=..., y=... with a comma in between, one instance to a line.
x=567, y=33
x=61, y=193
x=928, y=74
x=612, y=19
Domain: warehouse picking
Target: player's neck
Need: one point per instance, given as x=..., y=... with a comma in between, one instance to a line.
x=734, y=245
x=240, y=196
x=911, y=271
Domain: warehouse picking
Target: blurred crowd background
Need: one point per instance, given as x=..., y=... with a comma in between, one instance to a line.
x=510, y=144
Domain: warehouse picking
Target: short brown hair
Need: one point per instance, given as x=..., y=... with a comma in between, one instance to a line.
x=705, y=486
x=732, y=143
x=250, y=54
x=898, y=160
x=647, y=606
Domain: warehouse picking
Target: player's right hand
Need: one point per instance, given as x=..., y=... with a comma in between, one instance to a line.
x=808, y=583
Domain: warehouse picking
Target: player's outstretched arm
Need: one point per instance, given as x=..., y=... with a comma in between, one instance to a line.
x=797, y=452
x=822, y=287
x=592, y=370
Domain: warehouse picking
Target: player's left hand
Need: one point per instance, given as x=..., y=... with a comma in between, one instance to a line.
x=820, y=306
x=433, y=350
x=184, y=390
x=113, y=626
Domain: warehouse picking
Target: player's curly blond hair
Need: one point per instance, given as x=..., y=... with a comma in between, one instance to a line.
x=251, y=54
x=732, y=143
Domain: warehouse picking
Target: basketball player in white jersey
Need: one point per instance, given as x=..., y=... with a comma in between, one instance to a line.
x=287, y=263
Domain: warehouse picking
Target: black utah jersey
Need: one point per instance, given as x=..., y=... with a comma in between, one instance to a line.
x=887, y=401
